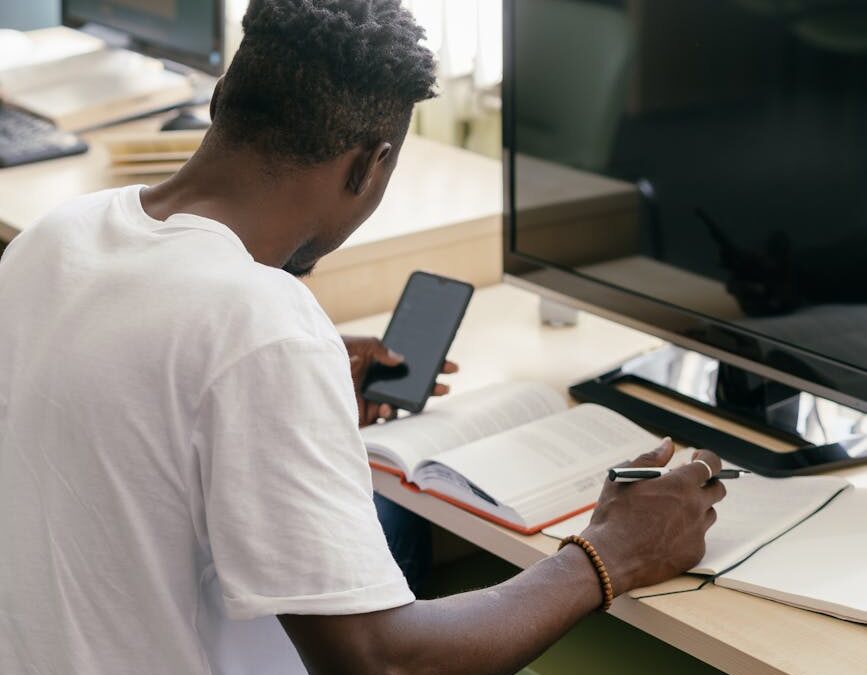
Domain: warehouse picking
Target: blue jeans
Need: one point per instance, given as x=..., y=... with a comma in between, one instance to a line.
x=409, y=539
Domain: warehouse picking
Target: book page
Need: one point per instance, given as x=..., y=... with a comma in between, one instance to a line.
x=755, y=511
x=461, y=419
x=819, y=565
x=551, y=466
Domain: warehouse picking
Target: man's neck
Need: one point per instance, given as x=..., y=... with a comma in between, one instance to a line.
x=233, y=190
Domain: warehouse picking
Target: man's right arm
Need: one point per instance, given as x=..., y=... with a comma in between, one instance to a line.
x=645, y=532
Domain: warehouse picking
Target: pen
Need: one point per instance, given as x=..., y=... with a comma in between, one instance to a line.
x=630, y=475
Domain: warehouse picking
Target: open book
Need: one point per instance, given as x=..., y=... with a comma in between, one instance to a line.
x=795, y=540
x=95, y=88
x=513, y=453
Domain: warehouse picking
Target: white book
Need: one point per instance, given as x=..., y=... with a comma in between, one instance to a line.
x=819, y=565
x=45, y=45
x=94, y=88
x=513, y=453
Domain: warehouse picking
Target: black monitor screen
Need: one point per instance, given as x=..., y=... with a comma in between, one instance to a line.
x=189, y=31
x=707, y=155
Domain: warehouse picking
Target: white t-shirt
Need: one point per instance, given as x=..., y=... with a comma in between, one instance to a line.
x=179, y=452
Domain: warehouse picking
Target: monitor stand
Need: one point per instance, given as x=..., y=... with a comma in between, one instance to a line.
x=822, y=434
x=186, y=119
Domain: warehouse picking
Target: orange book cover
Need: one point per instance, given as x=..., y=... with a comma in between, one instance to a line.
x=534, y=529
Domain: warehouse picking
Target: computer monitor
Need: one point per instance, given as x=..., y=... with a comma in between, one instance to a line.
x=698, y=169
x=189, y=32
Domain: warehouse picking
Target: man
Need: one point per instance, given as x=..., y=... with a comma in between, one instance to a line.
x=180, y=459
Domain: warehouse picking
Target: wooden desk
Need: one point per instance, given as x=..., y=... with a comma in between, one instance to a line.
x=457, y=233
x=501, y=339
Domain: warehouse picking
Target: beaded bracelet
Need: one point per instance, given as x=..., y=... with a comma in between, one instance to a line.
x=604, y=579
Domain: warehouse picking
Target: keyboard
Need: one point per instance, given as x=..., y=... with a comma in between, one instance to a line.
x=27, y=138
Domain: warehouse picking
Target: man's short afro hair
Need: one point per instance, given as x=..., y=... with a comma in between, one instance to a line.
x=314, y=78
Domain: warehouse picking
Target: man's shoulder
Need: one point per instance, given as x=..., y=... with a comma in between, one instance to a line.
x=264, y=304
x=286, y=292
x=85, y=204
x=72, y=217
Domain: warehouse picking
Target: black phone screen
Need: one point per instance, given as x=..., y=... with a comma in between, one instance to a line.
x=422, y=329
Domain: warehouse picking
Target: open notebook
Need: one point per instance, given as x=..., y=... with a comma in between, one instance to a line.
x=819, y=565
x=513, y=453
x=795, y=540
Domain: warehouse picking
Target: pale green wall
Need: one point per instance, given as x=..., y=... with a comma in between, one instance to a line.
x=25, y=15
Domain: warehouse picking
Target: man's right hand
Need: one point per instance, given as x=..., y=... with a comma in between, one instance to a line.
x=649, y=531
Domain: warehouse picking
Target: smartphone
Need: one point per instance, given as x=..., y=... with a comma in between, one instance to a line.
x=422, y=328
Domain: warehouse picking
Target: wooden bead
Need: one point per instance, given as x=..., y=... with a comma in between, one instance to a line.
x=601, y=571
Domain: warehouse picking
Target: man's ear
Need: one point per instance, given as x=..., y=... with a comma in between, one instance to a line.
x=218, y=88
x=365, y=165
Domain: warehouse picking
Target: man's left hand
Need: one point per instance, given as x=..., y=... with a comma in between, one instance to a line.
x=363, y=353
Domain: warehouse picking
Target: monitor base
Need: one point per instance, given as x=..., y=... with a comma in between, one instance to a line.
x=824, y=435
x=186, y=119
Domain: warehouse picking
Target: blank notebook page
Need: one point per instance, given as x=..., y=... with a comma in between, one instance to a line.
x=820, y=565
